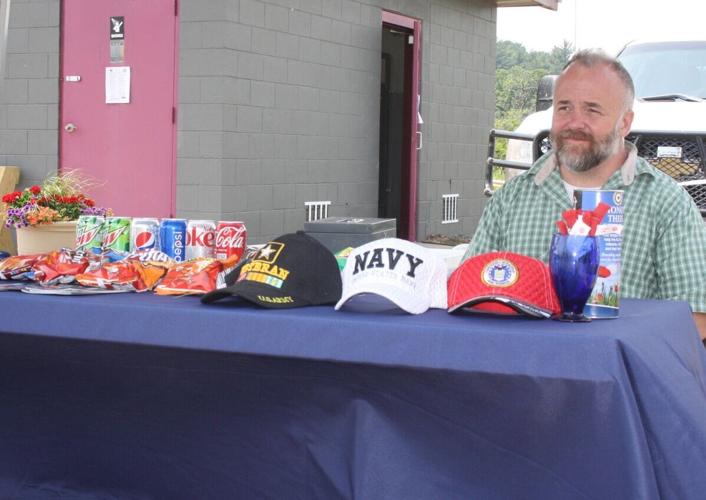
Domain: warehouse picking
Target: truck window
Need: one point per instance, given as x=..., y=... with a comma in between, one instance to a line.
x=667, y=68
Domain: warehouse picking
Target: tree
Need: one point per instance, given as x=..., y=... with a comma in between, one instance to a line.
x=518, y=72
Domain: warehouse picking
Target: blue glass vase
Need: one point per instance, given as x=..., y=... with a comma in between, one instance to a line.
x=573, y=264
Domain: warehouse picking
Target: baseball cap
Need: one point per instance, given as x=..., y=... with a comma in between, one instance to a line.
x=402, y=272
x=503, y=283
x=293, y=270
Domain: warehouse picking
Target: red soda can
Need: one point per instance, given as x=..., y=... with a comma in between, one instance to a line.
x=231, y=239
x=200, y=238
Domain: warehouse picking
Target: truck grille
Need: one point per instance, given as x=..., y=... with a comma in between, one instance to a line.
x=681, y=157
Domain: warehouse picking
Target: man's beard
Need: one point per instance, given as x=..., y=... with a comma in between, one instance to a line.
x=580, y=160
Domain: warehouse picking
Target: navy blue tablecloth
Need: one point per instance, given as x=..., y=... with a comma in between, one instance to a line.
x=140, y=396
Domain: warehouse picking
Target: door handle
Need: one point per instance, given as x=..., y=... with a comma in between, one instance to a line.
x=70, y=128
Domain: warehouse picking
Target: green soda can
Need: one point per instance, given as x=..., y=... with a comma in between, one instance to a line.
x=89, y=232
x=117, y=234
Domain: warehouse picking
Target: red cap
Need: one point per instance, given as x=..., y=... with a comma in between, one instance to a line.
x=503, y=283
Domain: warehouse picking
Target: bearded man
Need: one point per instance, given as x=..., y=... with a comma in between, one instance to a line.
x=664, y=236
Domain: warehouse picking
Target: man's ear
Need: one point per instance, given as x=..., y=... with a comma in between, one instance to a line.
x=626, y=123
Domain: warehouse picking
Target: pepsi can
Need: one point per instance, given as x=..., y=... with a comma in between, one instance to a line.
x=144, y=234
x=172, y=238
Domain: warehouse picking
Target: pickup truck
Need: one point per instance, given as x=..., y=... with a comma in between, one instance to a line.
x=669, y=128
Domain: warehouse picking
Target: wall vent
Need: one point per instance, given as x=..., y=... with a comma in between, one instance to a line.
x=450, y=202
x=316, y=210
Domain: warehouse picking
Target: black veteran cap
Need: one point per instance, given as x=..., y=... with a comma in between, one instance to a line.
x=293, y=270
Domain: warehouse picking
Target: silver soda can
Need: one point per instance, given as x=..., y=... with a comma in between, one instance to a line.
x=200, y=239
x=144, y=234
x=604, y=301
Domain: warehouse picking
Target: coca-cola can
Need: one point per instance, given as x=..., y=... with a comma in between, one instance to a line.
x=231, y=239
x=200, y=239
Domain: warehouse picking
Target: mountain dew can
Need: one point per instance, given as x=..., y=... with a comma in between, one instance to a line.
x=117, y=234
x=604, y=301
x=89, y=232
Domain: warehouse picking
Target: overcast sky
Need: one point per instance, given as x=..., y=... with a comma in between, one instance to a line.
x=606, y=24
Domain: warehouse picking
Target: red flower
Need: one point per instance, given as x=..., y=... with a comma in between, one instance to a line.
x=89, y=202
x=11, y=197
x=35, y=190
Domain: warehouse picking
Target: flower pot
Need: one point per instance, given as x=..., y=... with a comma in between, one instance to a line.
x=46, y=237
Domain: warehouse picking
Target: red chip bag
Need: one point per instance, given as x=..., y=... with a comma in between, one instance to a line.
x=196, y=276
x=137, y=272
x=60, y=267
x=18, y=267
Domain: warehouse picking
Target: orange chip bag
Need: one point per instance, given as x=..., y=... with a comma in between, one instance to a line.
x=139, y=271
x=196, y=276
x=17, y=267
x=61, y=266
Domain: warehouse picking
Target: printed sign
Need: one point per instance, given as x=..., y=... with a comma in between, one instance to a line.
x=117, y=27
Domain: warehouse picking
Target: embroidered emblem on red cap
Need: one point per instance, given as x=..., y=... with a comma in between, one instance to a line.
x=500, y=273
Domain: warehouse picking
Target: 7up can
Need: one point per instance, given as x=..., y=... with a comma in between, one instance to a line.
x=89, y=232
x=117, y=234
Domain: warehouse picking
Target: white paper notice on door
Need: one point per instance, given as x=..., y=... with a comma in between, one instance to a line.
x=117, y=85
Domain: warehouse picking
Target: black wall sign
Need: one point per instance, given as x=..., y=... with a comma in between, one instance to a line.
x=117, y=27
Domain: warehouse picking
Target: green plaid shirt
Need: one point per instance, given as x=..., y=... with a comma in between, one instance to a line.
x=664, y=236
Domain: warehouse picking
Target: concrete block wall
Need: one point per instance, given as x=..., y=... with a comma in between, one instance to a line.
x=283, y=97
x=458, y=108
x=29, y=91
x=279, y=104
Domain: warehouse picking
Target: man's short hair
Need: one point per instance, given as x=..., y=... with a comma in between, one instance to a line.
x=590, y=58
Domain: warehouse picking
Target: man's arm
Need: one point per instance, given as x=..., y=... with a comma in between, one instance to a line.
x=700, y=320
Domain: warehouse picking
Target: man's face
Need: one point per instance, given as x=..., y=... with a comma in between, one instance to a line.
x=589, y=121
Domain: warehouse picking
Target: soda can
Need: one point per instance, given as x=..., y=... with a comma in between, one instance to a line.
x=172, y=238
x=200, y=239
x=604, y=301
x=231, y=239
x=117, y=234
x=90, y=230
x=144, y=234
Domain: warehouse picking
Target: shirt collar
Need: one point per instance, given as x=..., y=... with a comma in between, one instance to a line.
x=624, y=176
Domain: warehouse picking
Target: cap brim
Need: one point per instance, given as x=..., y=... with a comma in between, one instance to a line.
x=403, y=300
x=517, y=305
x=257, y=294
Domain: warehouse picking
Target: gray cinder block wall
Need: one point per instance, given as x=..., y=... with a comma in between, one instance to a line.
x=29, y=91
x=279, y=104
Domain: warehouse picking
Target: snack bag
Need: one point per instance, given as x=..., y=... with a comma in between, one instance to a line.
x=139, y=272
x=62, y=266
x=18, y=267
x=196, y=276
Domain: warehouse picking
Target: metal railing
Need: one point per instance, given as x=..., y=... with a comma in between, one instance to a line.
x=492, y=162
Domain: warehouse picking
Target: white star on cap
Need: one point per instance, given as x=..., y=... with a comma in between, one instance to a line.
x=266, y=252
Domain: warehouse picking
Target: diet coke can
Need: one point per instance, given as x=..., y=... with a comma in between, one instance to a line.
x=172, y=238
x=200, y=239
x=231, y=238
x=144, y=234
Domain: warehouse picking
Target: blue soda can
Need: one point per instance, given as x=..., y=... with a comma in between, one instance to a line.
x=172, y=238
x=604, y=301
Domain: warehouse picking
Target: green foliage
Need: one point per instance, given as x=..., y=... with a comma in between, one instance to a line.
x=518, y=72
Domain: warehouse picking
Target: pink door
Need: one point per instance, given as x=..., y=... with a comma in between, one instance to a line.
x=126, y=146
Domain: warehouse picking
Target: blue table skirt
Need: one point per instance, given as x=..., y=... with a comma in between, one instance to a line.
x=139, y=396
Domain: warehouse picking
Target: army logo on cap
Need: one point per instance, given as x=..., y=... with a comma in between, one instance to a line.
x=500, y=273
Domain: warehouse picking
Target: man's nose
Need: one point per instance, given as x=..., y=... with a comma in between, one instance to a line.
x=575, y=119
